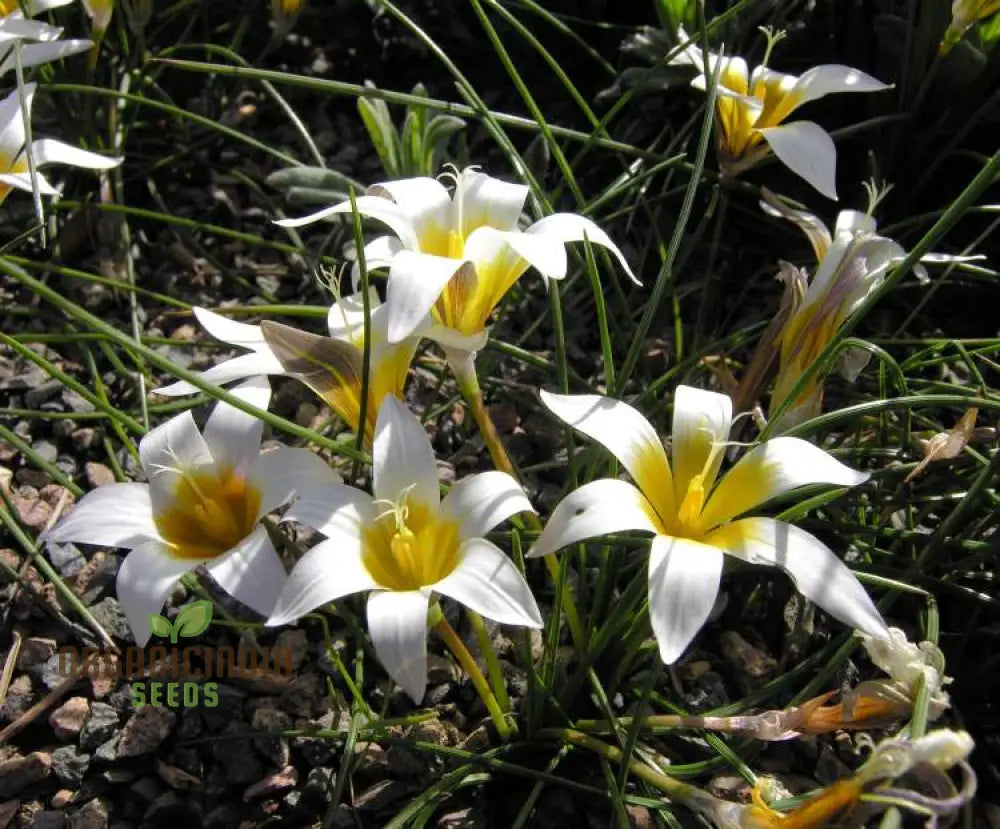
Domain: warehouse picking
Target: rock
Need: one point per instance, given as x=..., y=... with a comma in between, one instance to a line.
x=41, y=391
x=99, y=726
x=67, y=720
x=145, y=730
x=32, y=511
x=48, y=820
x=372, y=759
x=707, y=691
x=107, y=752
x=440, y=669
x=20, y=697
x=477, y=741
x=19, y=772
x=380, y=795
x=76, y=402
x=438, y=732
x=49, y=673
x=97, y=576
x=69, y=765
x=92, y=815
x=273, y=784
x=86, y=438
x=305, y=697
x=296, y=643
x=274, y=748
x=29, y=476
x=62, y=798
x=319, y=785
x=67, y=559
x=176, y=777
x=110, y=616
x=7, y=812
x=639, y=817
x=405, y=762
x=751, y=666
x=98, y=474
x=238, y=762
x=229, y=708
x=170, y=808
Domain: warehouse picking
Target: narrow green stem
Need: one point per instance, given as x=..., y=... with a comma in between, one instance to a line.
x=492, y=663
x=463, y=366
x=719, y=811
x=465, y=659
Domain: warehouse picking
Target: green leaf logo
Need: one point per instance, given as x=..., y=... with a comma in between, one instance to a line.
x=192, y=620
x=160, y=625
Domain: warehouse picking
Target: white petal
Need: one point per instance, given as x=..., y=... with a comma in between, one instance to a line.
x=598, y=508
x=626, y=434
x=283, y=474
x=329, y=571
x=503, y=252
x=683, y=584
x=379, y=253
x=15, y=27
x=51, y=151
x=807, y=150
x=772, y=469
x=238, y=368
x=569, y=227
x=397, y=624
x=145, y=579
x=830, y=78
x=702, y=420
x=480, y=502
x=22, y=181
x=174, y=445
x=229, y=330
x=232, y=435
x=336, y=510
x=251, y=572
x=36, y=7
x=12, y=123
x=402, y=458
x=424, y=201
x=346, y=318
x=489, y=583
x=818, y=574
x=113, y=515
x=481, y=200
x=34, y=54
x=416, y=280
x=373, y=207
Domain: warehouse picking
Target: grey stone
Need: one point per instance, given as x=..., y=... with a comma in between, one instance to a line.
x=40, y=392
x=100, y=725
x=235, y=756
x=46, y=450
x=69, y=765
x=145, y=730
x=273, y=748
x=20, y=697
x=98, y=474
x=49, y=819
x=66, y=558
x=228, y=709
x=109, y=614
x=92, y=815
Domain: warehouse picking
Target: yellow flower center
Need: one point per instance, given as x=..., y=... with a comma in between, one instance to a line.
x=212, y=511
x=689, y=512
x=407, y=548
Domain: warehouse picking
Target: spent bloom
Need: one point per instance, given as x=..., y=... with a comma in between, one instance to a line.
x=752, y=108
x=964, y=13
x=331, y=366
x=206, y=494
x=405, y=544
x=693, y=518
x=99, y=12
x=454, y=256
x=852, y=263
x=14, y=169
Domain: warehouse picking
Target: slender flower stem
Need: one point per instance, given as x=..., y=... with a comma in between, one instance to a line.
x=721, y=812
x=504, y=728
x=492, y=663
x=463, y=366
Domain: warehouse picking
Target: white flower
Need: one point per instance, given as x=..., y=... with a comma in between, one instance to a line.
x=692, y=518
x=331, y=366
x=14, y=27
x=752, y=108
x=964, y=13
x=406, y=544
x=14, y=172
x=454, y=257
x=205, y=496
x=907, y=662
